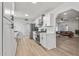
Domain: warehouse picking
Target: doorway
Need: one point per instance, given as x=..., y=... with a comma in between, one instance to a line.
x=67, y=23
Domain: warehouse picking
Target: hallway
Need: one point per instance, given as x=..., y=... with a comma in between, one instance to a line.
x=65, y=47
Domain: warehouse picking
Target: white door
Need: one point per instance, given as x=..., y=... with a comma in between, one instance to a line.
x=44, y=40
x=27, y=30
x=7, y=45
x=13, y=42
x=50, y=41
x=41, y=38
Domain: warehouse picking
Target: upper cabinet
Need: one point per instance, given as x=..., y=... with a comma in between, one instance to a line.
x=37, y=22
x=41, y=20
x=47, y=20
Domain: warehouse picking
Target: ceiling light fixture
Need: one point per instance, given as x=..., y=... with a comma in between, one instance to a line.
x=77, y=18
x=65, y=13
x=26, y=15
x=34, y=2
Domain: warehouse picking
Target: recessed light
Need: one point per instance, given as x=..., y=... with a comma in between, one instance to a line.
x=65, y=13
x=34, y=2
x=26, y=15
x=77, y=18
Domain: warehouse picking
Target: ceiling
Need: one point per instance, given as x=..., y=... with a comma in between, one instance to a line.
x=34, y=10
x=69, y=15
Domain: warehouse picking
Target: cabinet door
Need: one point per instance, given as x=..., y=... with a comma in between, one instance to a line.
x=27, y=30
x=41, y=38
x=44, y=40
x=34, y=35
x=51, y=42
x=46, y=20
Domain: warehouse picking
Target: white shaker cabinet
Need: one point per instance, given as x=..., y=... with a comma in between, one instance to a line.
x=48, y=20
x=43, y=40
x=47, y=41
x=51, y=41
x=34, y=35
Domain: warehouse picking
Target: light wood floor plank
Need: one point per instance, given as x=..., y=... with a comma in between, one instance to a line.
x=65, y=47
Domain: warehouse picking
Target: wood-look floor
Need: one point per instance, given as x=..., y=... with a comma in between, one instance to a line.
x=65, y=47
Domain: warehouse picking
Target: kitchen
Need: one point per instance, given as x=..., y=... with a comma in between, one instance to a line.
x=43, y=31
x=29, y=27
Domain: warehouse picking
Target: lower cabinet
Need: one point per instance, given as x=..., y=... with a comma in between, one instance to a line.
x=43, y=39
x=48, y=40
x=34, y=35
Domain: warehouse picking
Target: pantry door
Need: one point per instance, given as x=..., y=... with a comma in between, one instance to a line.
x=9, y=42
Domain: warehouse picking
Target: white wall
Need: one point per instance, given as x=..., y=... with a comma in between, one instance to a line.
x=72, y=26
x=22, y=26
x=0, y=29
x=65, y=7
